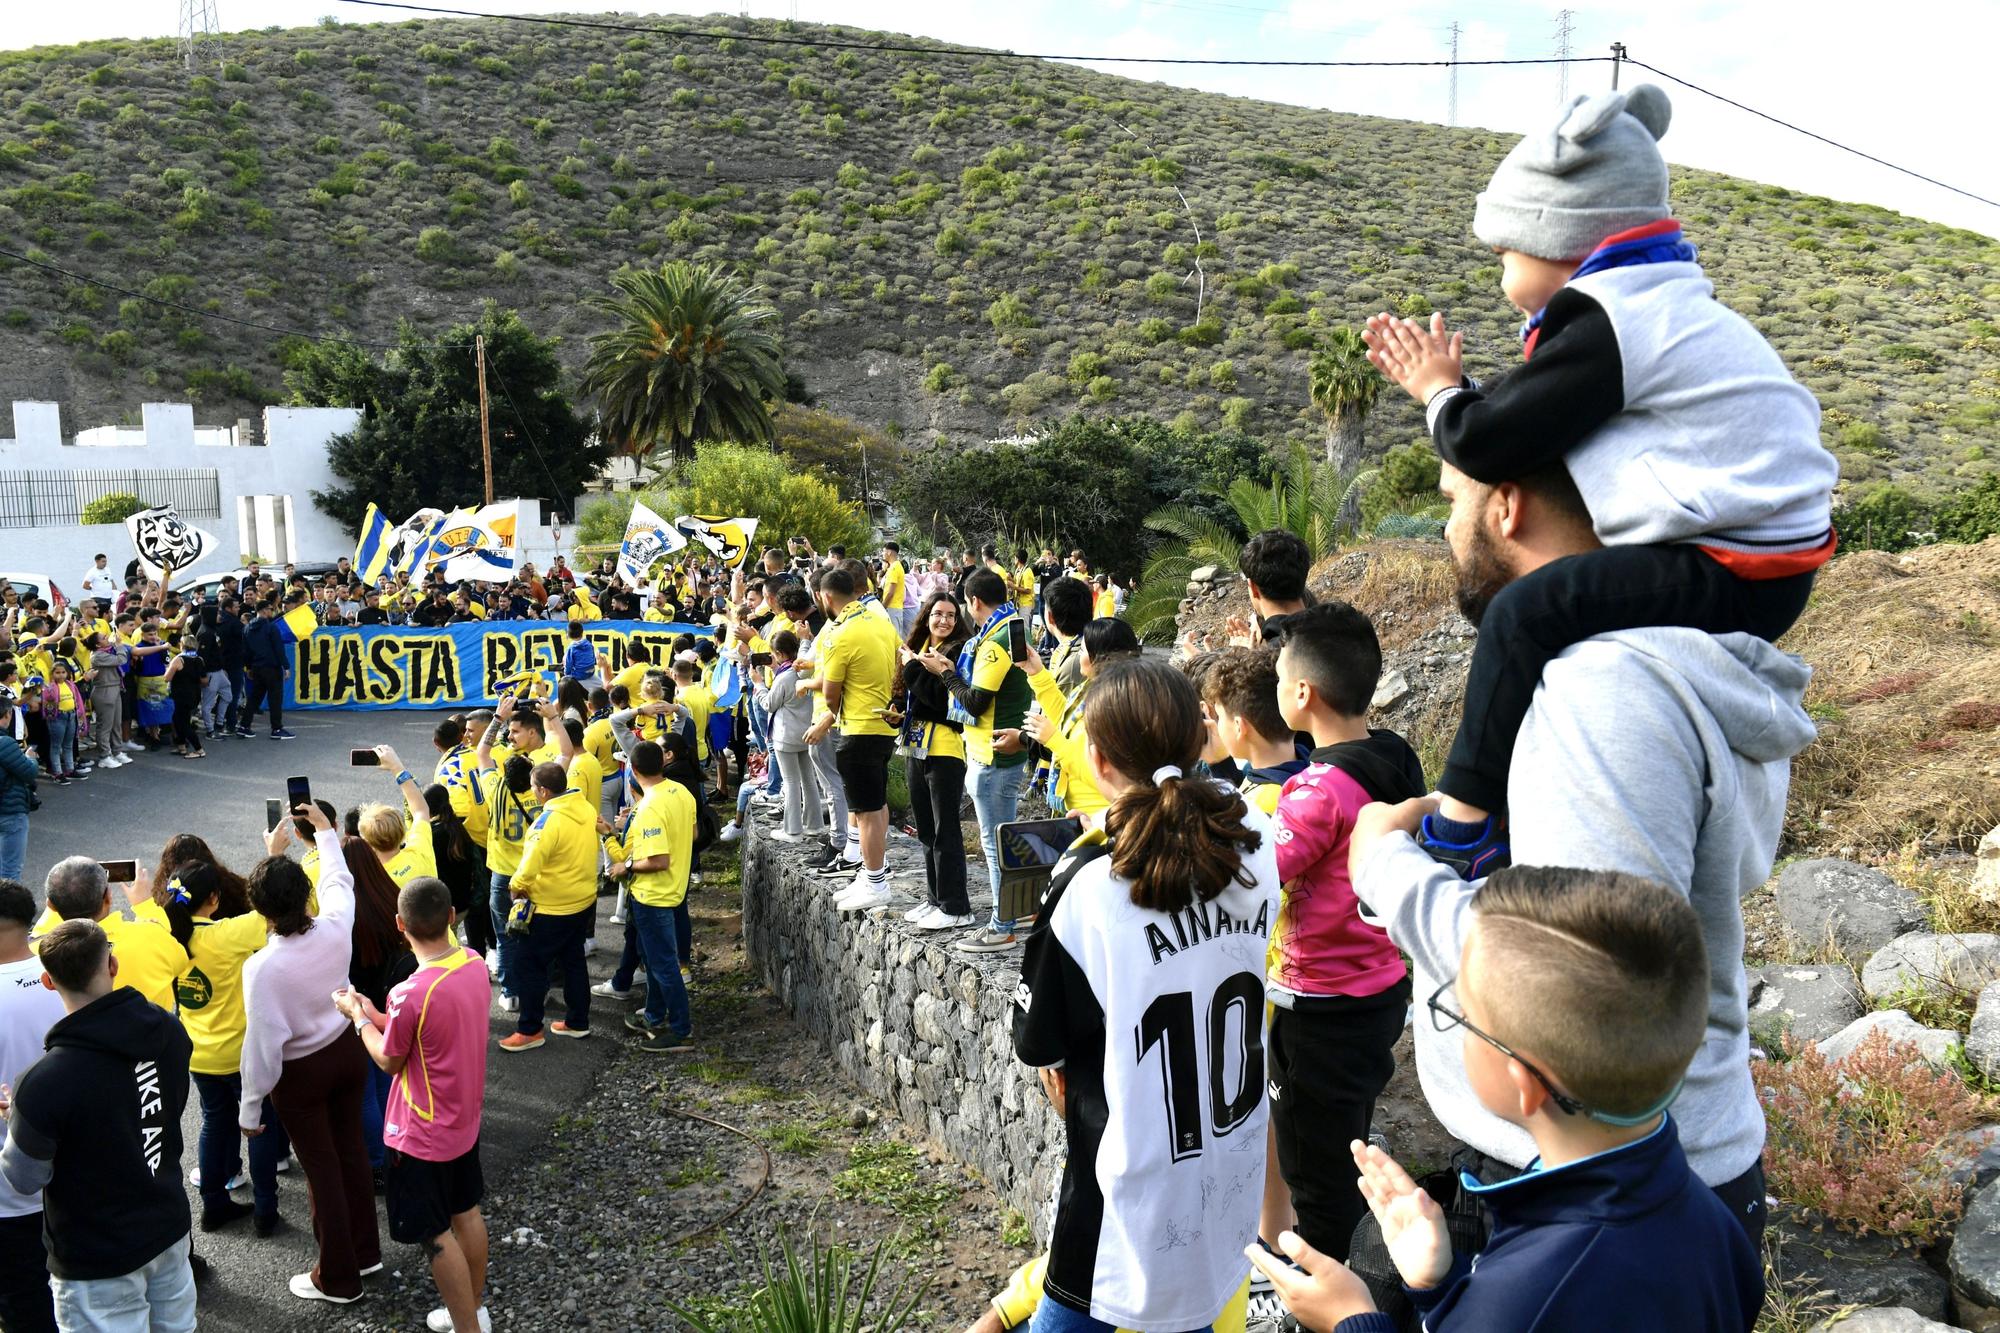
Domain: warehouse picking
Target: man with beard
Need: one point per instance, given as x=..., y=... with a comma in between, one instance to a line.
x=1659, y=752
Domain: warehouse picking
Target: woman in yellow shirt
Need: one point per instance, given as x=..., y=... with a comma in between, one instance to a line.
x=1058, y=722
x=196, y=896
x=62, y=710
x=936, y=762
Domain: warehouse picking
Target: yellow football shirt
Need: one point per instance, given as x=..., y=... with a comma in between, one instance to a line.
x=862, y=658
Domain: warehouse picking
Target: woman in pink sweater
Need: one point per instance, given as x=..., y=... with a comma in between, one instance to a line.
x=302, y=1053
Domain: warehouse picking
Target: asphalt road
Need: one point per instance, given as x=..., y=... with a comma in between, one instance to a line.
x=132, y=811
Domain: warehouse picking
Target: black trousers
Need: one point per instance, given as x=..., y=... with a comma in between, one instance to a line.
x=1328, y=1063
x=937, y=789
x=26, y=1304
x=266, y=684
x=1537, y=616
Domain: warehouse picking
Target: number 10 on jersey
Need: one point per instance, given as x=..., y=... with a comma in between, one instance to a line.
x=1235, y=1029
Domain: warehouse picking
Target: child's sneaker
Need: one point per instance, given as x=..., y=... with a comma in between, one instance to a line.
x=1473, y=850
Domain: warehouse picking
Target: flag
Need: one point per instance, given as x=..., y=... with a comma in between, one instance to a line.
x=494, y=553
x=411, y=541
x=371, y=549
x=648, y=537
x=164, y=541
x=726, y=683
x=468, y=548
x=297, y=623
x=727, y=538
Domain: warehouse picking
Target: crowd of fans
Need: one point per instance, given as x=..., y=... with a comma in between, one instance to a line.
x=1257, y=892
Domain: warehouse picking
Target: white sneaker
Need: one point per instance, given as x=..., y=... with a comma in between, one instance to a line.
x=133, y=747
x=302, y=1287
x=236, y=1182
x=779, y=835
x=510, y=1004
x=439, y=1321
x=939, y=919
x=589, y=947
x=730, y=833
x=863, y=899
x=611, y=992
x=919, y=912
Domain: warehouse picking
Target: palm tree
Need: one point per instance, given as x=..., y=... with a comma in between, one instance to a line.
x=1314, y=500
x=1344, y=386
x=692, y=355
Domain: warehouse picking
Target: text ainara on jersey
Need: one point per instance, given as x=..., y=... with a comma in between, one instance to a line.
x=1200, y=922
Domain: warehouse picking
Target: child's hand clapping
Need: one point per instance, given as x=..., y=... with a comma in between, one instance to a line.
x=1422, y=360
x=1412, y=1224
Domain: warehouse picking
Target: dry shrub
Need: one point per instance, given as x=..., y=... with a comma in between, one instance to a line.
x=1973, y=715
x=1867, y=1143
x=1405, y=585
x=1895, y=642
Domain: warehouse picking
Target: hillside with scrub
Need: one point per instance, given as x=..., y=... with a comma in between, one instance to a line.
x=961, y=246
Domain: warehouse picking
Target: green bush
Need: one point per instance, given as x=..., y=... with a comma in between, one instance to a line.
x=436, y=245
x=114, y=507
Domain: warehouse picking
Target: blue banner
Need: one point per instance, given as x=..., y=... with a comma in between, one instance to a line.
x=458, y=666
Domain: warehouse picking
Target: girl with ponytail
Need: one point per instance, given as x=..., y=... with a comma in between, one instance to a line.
x=1142, y=1005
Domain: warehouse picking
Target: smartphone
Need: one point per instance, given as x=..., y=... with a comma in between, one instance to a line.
x=120, y=872
x=760, y=659
x=364, y=759
x=298, y=792
x=274, y=810
x=1029, y=850
x=1017, y=636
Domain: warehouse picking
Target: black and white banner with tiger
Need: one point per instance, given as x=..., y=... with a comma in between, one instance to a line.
x=164, y=540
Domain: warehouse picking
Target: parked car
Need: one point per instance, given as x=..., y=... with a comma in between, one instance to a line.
x=36, y=585
x=202, y=587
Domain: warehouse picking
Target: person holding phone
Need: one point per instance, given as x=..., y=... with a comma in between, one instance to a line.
x=936, y=765
x=300, y=1052
x=150, y=960
x=990, y=695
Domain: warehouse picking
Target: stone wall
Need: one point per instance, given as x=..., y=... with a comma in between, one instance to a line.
x=922, y=1027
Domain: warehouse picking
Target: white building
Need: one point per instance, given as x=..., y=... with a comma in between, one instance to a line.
x=254, y=492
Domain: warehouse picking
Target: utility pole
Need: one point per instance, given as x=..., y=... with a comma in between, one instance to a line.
x=1452, y=117
x=1563, y=31
x=485, y=436
x=866, y=512
x=1617, y=59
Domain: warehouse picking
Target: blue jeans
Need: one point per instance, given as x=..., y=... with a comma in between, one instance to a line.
x=374, y=1110
x=216, y=1151
x=996, y=796
x=554, y=939
x=158, y=1296
x=62, y=744
x=1053, y=1318
x=666, y=994
x=504, y=945
x=13, y=844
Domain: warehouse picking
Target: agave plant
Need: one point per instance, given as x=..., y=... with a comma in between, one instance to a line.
x=1316, y=501
x=825, y=1289
x=691, y=355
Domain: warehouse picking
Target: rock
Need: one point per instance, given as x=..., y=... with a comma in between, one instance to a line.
x=1982, y=1039
x=1206, y=574
x=1855, y=1270
x=1812, y=1002
x=1934, y=964
x=1974, y=1262
x=1986, y=874
x=1934, y=1045
x=1854, y=908
x=1390, y=691
x=1883, y=1319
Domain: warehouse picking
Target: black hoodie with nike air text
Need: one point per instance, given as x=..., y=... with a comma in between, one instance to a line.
x=96, y=1125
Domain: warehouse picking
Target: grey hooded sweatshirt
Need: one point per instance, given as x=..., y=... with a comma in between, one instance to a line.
x=1657, y=752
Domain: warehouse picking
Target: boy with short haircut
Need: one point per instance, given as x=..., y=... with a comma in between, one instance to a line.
x=1583, y=995
x=699, y=701
x=1241, y=690
x=432, y=1044
x=1696, y=453
x=1339, y=986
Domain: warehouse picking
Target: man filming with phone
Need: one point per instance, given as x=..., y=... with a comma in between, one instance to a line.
x=150, y=959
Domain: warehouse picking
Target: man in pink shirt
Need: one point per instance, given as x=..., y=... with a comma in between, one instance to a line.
x=433, y=1045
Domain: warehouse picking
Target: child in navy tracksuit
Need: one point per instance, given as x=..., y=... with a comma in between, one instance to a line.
x=1582, y=995
x=1695, y=452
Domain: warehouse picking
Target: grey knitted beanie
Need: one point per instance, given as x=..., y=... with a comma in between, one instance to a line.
x=1596, y=172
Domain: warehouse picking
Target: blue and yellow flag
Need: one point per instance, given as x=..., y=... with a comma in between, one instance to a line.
x=297, y=623
x=372, y=549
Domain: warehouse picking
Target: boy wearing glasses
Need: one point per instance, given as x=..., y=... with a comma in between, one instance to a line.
x=1581, y=996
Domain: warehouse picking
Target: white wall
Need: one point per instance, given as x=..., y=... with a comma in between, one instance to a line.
x=276, y=478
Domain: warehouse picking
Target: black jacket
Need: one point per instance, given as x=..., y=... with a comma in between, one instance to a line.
x=229, y=643
x=1384, y=764
x=102, y=1111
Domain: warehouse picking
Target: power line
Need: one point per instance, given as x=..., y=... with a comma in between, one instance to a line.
x=1800, y=129
x=832, y=44
x=196, y=311
x=528, y=435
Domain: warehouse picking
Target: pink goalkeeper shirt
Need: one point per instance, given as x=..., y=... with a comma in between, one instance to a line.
x=437, y=1021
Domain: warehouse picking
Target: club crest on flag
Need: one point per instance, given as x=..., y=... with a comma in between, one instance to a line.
x=648, y=539
x=163, y=540
x=728, y=539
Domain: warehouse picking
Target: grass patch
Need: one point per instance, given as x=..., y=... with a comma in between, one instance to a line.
x=796, y=1138
x=889, y=1174
x=1014, y=1229
x=697, y=1170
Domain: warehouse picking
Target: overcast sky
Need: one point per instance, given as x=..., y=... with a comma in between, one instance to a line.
x=1910, y=82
